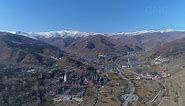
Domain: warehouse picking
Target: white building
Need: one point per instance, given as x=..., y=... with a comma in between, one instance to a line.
x=65, y=77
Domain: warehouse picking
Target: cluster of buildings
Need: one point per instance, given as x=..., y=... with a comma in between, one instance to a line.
x=160, y=60
x=56, y=58
x=153, y=75
x=67, y=86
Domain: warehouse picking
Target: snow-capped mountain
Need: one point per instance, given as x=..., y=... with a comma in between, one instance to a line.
x=64, y=34
x=78, y=34
x=144, y=32
x=50, y=34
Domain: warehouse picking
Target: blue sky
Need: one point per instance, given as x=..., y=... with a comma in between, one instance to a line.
x=91, y=15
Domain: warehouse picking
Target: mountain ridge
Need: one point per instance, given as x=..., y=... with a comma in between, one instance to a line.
x=78, y=34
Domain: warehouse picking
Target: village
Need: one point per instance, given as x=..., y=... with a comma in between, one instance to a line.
x=75, y=89
x=74, y=86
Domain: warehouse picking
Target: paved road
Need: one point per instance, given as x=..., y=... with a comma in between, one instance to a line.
x=97, y=99
x=130, y=87
x=159, y=94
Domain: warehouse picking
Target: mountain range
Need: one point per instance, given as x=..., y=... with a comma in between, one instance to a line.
x=91, y=44
x=76, y=34
x=40, y=60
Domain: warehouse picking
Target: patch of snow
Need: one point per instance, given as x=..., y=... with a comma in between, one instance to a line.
x=77, y=34
x=144, y=32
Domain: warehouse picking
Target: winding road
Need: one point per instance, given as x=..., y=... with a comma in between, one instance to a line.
x=131, y=88
x=158, y=95
x=97, y=99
